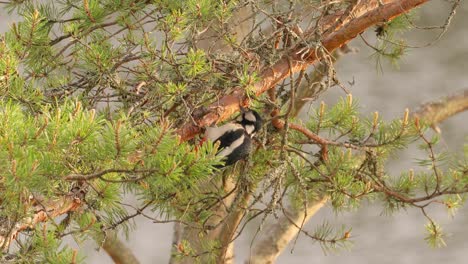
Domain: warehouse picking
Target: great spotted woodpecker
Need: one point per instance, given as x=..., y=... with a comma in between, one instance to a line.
x=235, y=139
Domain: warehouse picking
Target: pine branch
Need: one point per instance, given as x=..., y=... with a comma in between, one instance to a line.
x=279, y=124
x=100, y=174
x=367, y=15
x=267, y=250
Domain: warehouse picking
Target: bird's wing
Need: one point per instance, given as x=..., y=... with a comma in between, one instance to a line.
x=230, y=141
x=214, y=133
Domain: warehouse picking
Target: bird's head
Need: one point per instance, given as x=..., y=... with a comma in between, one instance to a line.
x=251, y=121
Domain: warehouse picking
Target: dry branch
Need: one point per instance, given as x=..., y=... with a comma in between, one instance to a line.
x=44, y=211
x=437, y=111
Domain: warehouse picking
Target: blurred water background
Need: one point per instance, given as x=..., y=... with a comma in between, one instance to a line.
x=424, y=74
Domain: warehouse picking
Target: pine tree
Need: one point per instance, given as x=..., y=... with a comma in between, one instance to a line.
x=102, y=100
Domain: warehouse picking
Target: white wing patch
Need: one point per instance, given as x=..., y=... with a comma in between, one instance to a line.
x=213, y=133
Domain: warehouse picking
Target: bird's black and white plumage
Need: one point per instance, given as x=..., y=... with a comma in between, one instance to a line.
x=251, y=121
x=235, y=139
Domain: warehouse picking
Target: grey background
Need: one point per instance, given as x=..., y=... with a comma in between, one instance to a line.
x=424, y=74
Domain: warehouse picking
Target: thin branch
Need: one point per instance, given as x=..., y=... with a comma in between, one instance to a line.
x=100, y=174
